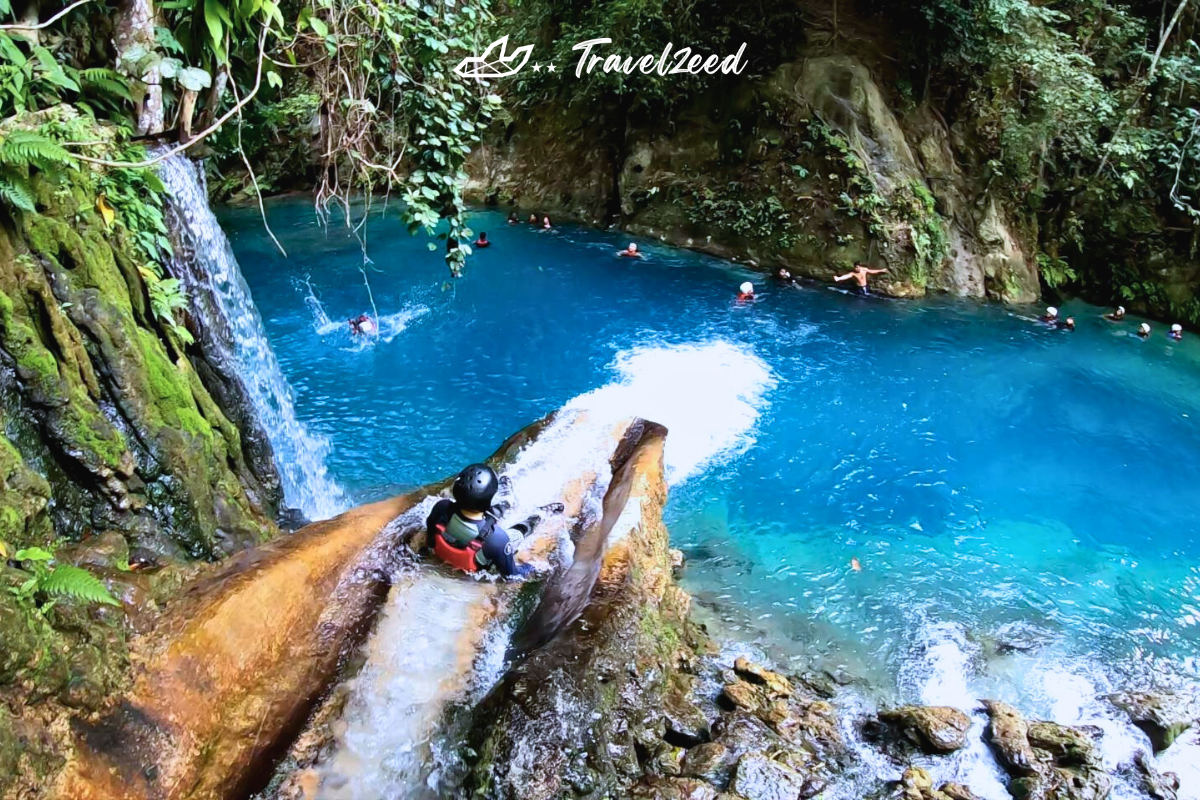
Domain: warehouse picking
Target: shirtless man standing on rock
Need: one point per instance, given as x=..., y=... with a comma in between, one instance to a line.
x=860, y=273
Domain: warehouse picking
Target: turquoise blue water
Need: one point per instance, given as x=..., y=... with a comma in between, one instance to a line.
x=996, y=481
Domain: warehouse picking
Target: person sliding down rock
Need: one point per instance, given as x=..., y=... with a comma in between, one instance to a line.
x=465, y=532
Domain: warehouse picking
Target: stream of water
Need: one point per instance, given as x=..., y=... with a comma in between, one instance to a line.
x=1020, y=502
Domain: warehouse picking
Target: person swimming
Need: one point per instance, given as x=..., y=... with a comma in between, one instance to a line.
x=482, y=241
x=784, y=275
x=1144, y=330
x=546, y=224
x=745, y=292
x=1067, y=324
x=629, y=252
x=1176, y=333
x=533, y=219
x=512, y=218
x=1050, y=317
x=1117, y=315
x=362, y=325
x=861, y=273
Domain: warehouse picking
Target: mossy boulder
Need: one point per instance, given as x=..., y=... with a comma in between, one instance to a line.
x=1161, y=716
x=932, y=729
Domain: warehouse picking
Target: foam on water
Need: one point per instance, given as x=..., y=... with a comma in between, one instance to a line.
x=665, y=384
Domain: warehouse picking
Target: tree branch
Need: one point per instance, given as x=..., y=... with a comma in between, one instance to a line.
x=47, y=23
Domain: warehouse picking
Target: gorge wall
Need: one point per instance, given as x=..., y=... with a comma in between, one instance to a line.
x=811, y=168
x=115, y=456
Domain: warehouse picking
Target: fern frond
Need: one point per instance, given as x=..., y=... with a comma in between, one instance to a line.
x=107, y=81
x=68, y=581
x=15, y=191
x=21, y=148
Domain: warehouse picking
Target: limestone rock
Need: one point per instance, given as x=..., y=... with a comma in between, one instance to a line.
x=1008, y=735
x=935, y=729
x=740, y=694
x=759, y=778
x=674, y=789
x=775, y=684
x=710, y=762
x=1160, y=715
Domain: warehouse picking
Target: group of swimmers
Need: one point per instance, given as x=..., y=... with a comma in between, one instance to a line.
x=545, y=224
x=1051, y=319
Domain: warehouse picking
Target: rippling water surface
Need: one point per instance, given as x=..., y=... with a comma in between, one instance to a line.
x=1022, y=502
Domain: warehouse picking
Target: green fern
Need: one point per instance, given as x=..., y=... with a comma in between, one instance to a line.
x=106, y=81
x=27, y=148
x=15, y=191
x=75, y=582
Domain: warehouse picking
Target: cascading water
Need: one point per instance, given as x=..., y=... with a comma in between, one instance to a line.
x=221, y=302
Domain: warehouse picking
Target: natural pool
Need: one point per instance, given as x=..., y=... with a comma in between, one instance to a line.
x=1021, y=501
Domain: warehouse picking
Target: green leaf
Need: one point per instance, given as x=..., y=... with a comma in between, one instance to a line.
x=70, y=581
x=33, y=554
x=274, y=80
x=214, y=17
x=169, y=68
x=195, y=79
x=319, y=27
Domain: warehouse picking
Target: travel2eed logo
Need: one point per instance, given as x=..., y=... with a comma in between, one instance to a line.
x=497, y=62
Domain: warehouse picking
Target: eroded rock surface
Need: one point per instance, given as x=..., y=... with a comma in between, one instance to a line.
x=1045, y=759
x=933, y=729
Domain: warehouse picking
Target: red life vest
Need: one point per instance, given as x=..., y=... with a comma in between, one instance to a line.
x=461, y=558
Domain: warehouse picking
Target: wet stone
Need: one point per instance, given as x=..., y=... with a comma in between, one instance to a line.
x=933, y=729
x=743, y=733
x=674, y=789
x=668, y=761
x=759, y=778
x=710, y=762
x=775, y=684
x=740, y=694
x=686, y=725
x=1162, y=716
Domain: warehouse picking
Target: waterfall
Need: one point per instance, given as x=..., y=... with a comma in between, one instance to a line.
x=234, y=337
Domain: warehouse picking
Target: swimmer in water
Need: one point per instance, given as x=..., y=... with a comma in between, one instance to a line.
x=629, y=252
x=546, y=224
x=1050, y=317
x=1117, y=315
x=855, y=565
x=1176, y=334
x=533, y=219
x=1143, y=330
x=861, y=273
x=512, y=218
x=784, y=275
x=482, y=241
x=1067, y=324
x=362, y=325
x=745, y=292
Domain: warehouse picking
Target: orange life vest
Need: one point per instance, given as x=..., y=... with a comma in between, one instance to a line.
x=462, y=558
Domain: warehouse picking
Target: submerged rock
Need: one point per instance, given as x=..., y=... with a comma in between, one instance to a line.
x=1161, y=716
x=933, y=729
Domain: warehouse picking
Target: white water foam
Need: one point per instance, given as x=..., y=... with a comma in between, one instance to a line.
x=219, y=296
x=664, y=384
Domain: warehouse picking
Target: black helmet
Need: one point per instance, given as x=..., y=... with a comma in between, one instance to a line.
x=475, y=487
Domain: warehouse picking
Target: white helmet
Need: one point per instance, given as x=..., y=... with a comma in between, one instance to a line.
x=1051, y=312
x=1120, y=309
x=1145, y=327
x=747, y=288
x=1176, y=328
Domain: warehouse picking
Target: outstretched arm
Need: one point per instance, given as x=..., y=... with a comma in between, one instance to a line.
x=845, y=277
x=876, y=271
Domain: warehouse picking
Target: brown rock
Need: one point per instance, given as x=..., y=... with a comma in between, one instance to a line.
x=1008, y=735
x=760, y=778
x=776, y=685
x=934, y=729
x=740, y=694
x=710, y=762
x=674, y=789
x=1161, y=716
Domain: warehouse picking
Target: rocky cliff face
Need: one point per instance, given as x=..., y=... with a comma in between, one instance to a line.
x=115, y=457
x=812, y=168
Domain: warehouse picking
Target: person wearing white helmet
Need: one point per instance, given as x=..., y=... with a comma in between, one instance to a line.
x=1144, y=330
x=629, y=252
x=860, y=274
x=746, y=292
x=1116, y=316
x=1176, y=333
x=1051, y=316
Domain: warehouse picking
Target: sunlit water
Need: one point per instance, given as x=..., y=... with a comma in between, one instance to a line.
x=1022, y=501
